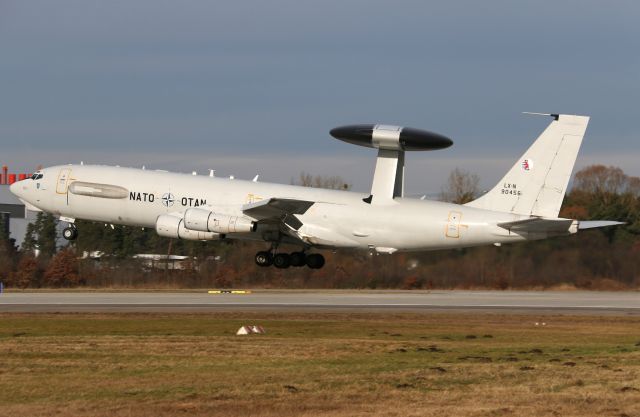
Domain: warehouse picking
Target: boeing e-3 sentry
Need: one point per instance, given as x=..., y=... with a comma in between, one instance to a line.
x=524, y=205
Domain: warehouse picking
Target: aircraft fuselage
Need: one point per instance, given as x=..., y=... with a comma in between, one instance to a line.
x=337, y=219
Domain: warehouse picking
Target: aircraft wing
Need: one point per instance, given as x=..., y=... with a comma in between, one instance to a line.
x=284, y=211
x=280, y=209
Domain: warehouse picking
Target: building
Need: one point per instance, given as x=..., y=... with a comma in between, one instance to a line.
x=13, y=214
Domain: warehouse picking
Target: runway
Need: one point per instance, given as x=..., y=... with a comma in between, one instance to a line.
x=538, y=302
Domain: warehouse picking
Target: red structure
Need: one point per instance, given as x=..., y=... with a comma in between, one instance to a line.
x=8, y=179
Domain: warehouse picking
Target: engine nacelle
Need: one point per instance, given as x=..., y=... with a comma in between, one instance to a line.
x=172, y=226
x=208, y=221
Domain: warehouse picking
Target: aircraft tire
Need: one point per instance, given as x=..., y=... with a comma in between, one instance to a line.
x=264, y=258
x=315, y=261
x=70, y=233
x=282, y=260
x=298, y=259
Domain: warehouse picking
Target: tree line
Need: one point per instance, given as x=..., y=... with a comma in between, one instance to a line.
x=596, y=259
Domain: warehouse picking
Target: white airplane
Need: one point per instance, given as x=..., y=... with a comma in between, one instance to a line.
x=524, y=205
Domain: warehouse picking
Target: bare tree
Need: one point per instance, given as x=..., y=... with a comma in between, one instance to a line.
x=320, y=181
x=461, y=187
x=306, y=179
x=62, y=270
x=605, y=183
x=633, y=186
x=600, y=179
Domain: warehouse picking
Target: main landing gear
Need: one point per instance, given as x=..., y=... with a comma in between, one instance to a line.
x=285, y=260
x=70, y=232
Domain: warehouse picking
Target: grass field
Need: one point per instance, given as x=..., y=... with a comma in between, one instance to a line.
x=319, y=364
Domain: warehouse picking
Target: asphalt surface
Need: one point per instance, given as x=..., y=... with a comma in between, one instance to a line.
x=534, y=302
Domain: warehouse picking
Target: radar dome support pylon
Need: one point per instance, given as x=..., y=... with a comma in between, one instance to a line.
x=391, y=142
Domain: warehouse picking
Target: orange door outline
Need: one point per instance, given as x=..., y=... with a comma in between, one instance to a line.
x=453, y=225
x=62, y=184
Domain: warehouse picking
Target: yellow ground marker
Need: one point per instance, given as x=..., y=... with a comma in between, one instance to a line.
x=229, y=292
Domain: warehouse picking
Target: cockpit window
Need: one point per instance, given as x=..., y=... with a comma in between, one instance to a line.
x=37, y=176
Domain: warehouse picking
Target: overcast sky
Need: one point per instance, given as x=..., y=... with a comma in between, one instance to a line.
x=249, y=87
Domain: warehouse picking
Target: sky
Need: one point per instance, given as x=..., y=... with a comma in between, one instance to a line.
x=253, y=87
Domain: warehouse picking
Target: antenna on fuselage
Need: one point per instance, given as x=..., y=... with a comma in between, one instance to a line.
x=212, y=172
x=531, y=113
x=255, y=179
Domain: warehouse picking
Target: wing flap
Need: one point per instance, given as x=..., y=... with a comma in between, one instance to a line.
x=276, y=208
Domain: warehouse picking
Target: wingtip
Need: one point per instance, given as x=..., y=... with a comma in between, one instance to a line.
x=593, y=224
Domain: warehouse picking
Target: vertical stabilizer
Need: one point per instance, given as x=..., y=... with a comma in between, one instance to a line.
x=536, y=184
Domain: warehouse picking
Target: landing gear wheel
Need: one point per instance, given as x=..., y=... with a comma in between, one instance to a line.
x=264, y=258
x=282, y=260
x=315, y=261
x=70, y=233
x=298, y=259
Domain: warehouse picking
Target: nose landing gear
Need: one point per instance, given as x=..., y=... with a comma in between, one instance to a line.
x=70, y=232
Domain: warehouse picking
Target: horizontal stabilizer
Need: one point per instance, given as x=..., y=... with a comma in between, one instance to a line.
x=276, y=208
x=538, y=225
x=592, y=224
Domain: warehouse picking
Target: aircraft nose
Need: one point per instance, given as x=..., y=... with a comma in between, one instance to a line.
x=16, y=188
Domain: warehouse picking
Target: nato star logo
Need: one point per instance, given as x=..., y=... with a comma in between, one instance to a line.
x=167, y=200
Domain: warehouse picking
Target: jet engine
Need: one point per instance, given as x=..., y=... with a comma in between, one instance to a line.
x=172, y=226
x=208, y=221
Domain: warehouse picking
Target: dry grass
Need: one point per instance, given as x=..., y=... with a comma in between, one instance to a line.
x=318, y=364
